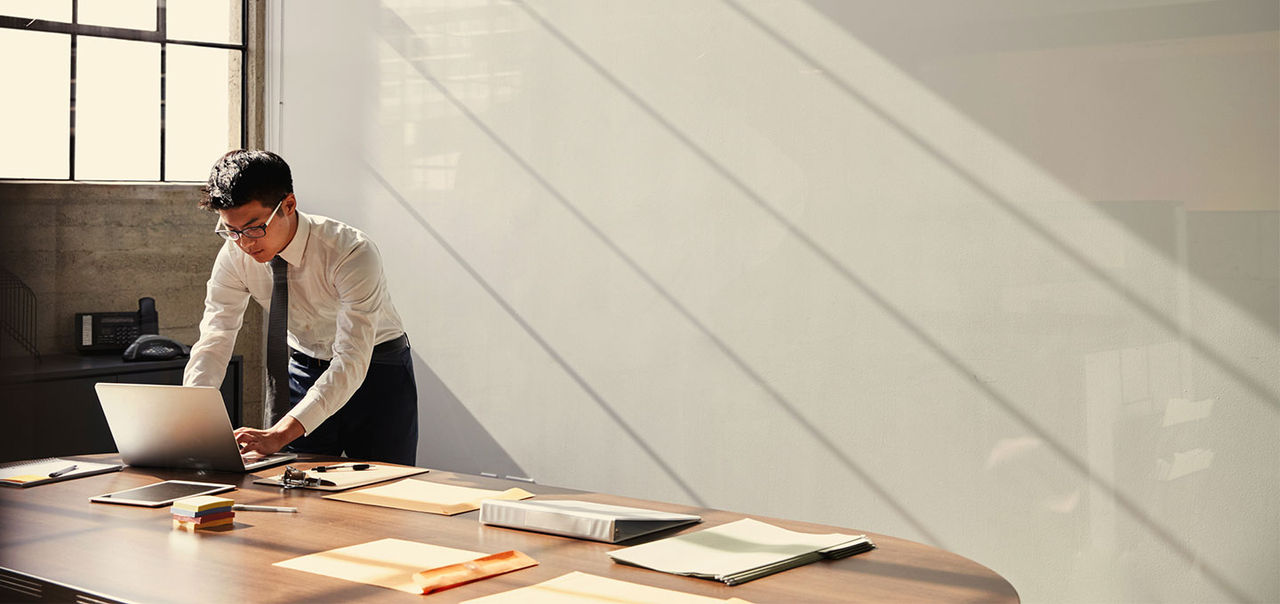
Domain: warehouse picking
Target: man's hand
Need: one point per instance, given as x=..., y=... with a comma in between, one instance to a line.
x=266, y=442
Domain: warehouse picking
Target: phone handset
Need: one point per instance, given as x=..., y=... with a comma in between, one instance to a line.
x=148, y=319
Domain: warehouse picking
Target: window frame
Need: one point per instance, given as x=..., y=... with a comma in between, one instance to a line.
x=74, y=29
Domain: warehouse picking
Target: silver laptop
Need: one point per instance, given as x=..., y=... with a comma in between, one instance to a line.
x=175, y=427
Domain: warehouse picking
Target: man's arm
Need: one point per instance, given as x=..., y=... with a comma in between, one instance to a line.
x=362, y=292
x=226, y=297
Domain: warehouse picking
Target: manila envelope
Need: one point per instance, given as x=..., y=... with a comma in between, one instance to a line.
x=389, y=563
x=431, y=497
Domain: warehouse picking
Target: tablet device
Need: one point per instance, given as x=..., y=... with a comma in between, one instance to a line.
x=163, y=493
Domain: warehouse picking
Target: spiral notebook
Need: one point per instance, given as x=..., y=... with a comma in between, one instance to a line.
x=51, y=469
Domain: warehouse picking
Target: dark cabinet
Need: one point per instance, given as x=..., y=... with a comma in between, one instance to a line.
x=50, y=408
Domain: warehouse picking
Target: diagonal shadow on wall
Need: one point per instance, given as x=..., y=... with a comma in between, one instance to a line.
x=1260, y=390
x=466, y=446
x=537, y=337
x=1062, y=451
x=897, y=40
x=404, y=40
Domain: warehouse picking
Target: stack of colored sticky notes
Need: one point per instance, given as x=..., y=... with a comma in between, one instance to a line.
x=203, y=512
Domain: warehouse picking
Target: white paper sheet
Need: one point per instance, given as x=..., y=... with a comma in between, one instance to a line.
x=582, y=588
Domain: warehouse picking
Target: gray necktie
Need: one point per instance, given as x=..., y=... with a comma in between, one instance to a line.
x=278, y=343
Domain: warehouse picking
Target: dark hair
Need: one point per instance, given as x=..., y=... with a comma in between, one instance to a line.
x=242, y=176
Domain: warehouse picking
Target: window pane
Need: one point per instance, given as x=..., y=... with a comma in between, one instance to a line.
x=202, y=109
x=49, y=10
x=132, y=14
x=36, y=122
x=117, y=110
x=203, y=20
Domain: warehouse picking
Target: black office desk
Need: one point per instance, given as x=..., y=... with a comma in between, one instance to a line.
x=52, y=409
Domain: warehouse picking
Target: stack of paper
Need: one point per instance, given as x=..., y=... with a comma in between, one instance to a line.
x=431, y=497
x=740, y=551
x=595, y=521
x=201, y=513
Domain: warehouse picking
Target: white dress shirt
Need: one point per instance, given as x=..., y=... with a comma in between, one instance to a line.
x=339, y=309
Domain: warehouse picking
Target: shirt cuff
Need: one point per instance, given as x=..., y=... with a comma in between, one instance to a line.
x=309, y=414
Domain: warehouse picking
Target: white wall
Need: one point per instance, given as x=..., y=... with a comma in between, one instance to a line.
x=1003, y=277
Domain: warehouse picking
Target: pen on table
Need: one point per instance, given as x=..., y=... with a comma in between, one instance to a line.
x=342, y=466
x=262, y=508
x=62, y=471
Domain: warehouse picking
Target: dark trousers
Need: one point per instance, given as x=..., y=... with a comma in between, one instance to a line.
x=378, y=423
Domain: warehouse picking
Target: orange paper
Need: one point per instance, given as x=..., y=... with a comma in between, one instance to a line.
x=437, y=579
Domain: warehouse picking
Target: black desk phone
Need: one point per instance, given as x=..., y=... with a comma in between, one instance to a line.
x=115, y=331
x=151, y=347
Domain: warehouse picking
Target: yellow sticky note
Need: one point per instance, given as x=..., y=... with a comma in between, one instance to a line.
x=25, y=478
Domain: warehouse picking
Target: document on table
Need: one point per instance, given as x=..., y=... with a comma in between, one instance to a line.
x=430, y=497
x=582, y=588
x=389, y=563
x=52, y=469
x=347, y=479
x=739, y=551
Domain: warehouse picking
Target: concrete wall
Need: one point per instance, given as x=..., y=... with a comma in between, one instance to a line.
x=99, y=247
x=1003, y=277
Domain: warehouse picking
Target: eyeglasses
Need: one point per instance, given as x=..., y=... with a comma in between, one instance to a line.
x=253, y=232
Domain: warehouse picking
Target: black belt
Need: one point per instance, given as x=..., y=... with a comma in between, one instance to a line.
x=386, y=352
x=389, y=351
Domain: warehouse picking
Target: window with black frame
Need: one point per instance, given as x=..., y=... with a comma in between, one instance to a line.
x=120, y=90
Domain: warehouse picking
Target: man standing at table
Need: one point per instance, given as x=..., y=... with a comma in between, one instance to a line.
x=341, y=380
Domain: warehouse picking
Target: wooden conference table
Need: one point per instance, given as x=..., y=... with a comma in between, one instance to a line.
x=52, y=539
